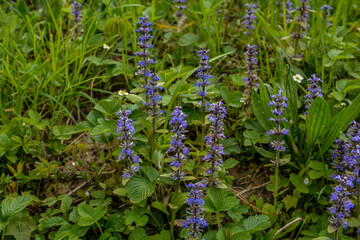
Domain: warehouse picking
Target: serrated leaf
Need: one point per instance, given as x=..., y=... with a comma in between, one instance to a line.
x=88, y=215
x=256, y=223
x=139, y=188
x=66, y=204
x=52, y=222
x=11, y=206
x=151, y=173
x=120, y=192
x=21, y=228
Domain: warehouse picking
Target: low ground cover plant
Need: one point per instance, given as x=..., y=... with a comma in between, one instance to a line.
x=207, y=119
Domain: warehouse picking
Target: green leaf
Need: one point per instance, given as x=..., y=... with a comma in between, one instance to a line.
x=120, y=192
x=151, y=173
x=107, y=106
x=160, y=206
x=21, y=228
x=256, y=223
x=219, y=200
x=66, y=204
x=241, y=236
x=260, y=105
x=339, y=123
x=317, y=121
x=139, y=188
x=298, y=182
x=89, y=215
x=188, y=39
x=52, y=222
x=230, y=163
x=290, y=201
x=11, y=206
x=157, y=158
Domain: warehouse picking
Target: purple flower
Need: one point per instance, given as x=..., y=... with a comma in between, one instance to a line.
x=195, y=221
x=341, y=203
x=178, y=149
x=340, y=156
x=216, y=133
x=152, y=95
x=251, y=80
x=279, y=104
x=203, y=74
x=249, y=18
x=180, y=7
x=76, y=12
x=327, y=9
x=313, y=89
x=126, y=131
x=289, y=8
x=143, y=41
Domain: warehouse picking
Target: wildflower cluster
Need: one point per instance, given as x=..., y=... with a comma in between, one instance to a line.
x=346, y=159
x=353, y=157
x=279, y=104
x=249, y=18
x=125, y=128
x=76, y=12
x=216, y=133
x=151, y=79
x=304, y=14
x=178, y=149
x=314, y=90
x=203, y=75
x=195, y=221
x=341, y=204
x=144, y=44
x=180, y=7
x=327, y=9
x=251, y=80
x=288, y=8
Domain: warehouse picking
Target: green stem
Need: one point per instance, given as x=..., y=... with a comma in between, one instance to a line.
x=276, y=178
x=336, y=235
x=99, y=227
x=152, y=144
x=357, y=201
x=3, y=234
x=218, y=220
x=177, y=189
x=203, y=125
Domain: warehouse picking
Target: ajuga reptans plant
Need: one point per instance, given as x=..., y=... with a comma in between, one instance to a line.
x=249, y=18
x=215, y=149
x=313, y=89
x=279, y=104
x=302, y=20
x=126, y=131
x=195, y=221
x=204, y=76
x=180, y=5
x=251, y=79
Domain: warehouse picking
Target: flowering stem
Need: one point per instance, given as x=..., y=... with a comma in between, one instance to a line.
x=152, y=143
x=203, y=127
x=276, y=178
x=336, y=234
x=357, y=201
x=173, y=214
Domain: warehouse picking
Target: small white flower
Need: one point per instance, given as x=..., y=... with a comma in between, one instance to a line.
x=122, y=93
x=298, y=78
x=306, y=181
x=87, y=193
x=105, y=46
x=73, y=163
